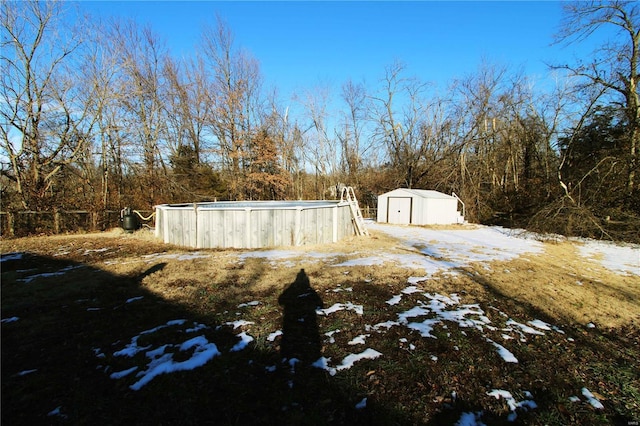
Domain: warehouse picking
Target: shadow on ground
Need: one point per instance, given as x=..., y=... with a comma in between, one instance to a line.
x=71, y=332
x=301, y=336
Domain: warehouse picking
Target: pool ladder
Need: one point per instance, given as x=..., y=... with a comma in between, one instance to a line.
x=349, y=196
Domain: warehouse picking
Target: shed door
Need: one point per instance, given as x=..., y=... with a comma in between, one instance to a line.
x=399, y=210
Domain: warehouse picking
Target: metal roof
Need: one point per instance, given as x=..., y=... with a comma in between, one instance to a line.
x=422, y=193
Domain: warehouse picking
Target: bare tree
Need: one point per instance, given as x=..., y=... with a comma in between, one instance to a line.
x=613, y=68
x=505, y=136
x=235, y=95
x=113, y=136
x=141, y=95
x=288, y=146
x=187, y=104
x=350, y=133
x=398, y=111
x=46, y=114
x=320, y=148
x=90, y=170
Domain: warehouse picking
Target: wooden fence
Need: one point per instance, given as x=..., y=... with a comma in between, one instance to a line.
x=369, y=212
x=24, y=223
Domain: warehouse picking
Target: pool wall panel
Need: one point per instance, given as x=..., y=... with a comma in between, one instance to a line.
x=205, y=226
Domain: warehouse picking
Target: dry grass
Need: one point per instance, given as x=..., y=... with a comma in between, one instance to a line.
x=557, y=281
x=557, y=286
x=568, y=287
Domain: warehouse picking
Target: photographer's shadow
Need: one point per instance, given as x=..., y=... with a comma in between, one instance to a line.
x=300, y=334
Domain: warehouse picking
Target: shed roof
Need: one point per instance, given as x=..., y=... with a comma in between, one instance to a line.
x=422, y=193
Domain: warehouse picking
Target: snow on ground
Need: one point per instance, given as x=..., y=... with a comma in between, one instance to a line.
x=527, y=404
x=433, y=310
x=431, y=250
x=622, y=259
x=458, y=248
x=592, y=399
x=62, y=271
x=279, y=258
x=160, y=358
x=427, y=251
x=11, y=256
x=437, y=250
x=177, y=256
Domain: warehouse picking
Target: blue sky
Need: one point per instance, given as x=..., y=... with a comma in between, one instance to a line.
x=303, y=44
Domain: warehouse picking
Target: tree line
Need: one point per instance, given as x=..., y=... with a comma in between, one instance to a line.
x=98, y=115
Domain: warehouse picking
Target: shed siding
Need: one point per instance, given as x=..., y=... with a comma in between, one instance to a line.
x=426, y=207
x=440, y=211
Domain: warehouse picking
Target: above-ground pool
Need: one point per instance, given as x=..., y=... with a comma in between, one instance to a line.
x=254, y=224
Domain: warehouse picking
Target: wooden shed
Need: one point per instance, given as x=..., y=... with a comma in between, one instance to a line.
x=419, y=207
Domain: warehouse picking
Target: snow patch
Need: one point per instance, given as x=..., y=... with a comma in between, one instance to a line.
x=470, y=419
x=592, y=399
x=11, y=256
x=527, y=404
x=358, y=309
x=362, y=404
x=504, y=352
x=622, y=259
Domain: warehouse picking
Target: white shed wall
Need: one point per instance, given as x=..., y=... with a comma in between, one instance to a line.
x=381, y=215
x=425, y=207
x=439, y=211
